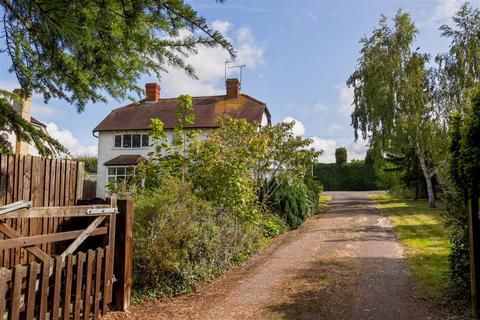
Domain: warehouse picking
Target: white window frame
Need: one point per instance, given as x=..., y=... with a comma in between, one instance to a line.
x=131, y=134
x=115, y=175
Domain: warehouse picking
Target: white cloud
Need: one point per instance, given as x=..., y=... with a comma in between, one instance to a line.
x=334, y=128
x=221, y=26
x=209, y=63
x=357, y=150
x=345, y=99
x=445, y=9
x=248, y=51
x=42, y=110
x=66, y=138
x=298, y=128
x=328, y=147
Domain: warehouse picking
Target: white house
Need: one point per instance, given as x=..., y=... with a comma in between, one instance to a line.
x=123, y=137
x=25, y=111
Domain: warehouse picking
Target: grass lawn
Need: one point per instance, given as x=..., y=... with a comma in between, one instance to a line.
x=423, y=231
x=323, y=202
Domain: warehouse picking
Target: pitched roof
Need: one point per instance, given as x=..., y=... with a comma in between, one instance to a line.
x=207, y=110
x=37, y=122
x=125, y=160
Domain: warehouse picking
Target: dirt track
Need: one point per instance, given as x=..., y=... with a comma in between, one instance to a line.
x=344, y=263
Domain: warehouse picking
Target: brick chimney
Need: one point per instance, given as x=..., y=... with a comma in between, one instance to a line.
x=25, y=111
x=153, y=91
x=233, y=88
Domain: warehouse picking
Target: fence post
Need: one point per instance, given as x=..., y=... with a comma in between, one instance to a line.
x=122, y=267
x=474, y=237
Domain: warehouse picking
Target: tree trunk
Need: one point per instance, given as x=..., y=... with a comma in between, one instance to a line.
x=428, y=180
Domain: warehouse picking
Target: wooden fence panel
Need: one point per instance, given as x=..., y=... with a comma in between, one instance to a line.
x=45, y=182
x=34, y=291
x=38, y=180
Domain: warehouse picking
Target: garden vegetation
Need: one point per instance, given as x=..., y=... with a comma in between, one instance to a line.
x=421, y=119
x=202, y=206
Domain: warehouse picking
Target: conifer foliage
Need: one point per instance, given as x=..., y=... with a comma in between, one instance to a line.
x=80, y=51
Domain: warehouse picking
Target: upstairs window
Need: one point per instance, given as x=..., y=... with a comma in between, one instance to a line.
x=118, y=141
x=127, y=141
x=131, y=140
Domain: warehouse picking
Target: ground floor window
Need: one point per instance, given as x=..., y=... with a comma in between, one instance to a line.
x=120, y=173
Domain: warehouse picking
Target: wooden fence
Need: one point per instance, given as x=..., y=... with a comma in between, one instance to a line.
x=58, y=259
x=75, y=288
x=59, y=284
x=45, y=182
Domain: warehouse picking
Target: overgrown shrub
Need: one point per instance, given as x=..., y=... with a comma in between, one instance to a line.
x=180, y=239
x=90, y=163
x=221, y=167
x=290, y=203
x=273, y=225
x=314, y=188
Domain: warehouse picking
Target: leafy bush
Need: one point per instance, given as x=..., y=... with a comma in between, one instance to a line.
x=273, y=225
x=180, y=239
x=314, y=188
x=346, y=177
x=90, y=163
x=221, y=168
x=290, y=203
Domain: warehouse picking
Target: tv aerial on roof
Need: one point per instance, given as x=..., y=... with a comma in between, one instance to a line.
x=239, y=66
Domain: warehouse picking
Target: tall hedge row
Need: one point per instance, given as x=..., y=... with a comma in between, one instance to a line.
x=346, y=177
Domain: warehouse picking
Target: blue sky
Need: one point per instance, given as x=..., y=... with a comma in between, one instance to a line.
x=299, y=54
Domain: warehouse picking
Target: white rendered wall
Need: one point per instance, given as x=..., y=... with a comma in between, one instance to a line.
x=107, y=151
x=12, y=138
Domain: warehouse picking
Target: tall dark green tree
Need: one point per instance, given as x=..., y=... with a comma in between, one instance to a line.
x=392, y=95
x=82, y=51
x=464, y=168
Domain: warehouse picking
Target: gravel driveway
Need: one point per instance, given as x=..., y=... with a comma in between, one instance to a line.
x=344, y=263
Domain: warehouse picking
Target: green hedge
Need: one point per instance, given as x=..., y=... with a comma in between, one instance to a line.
x=346, y=177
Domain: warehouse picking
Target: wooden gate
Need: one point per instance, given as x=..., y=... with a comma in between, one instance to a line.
x=71, y=280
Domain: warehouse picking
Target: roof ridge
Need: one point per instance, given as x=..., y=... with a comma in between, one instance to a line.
x=252, y=98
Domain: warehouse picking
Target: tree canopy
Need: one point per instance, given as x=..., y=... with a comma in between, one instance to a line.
x=82, y=51
x=392, y=94
x=458, y=72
